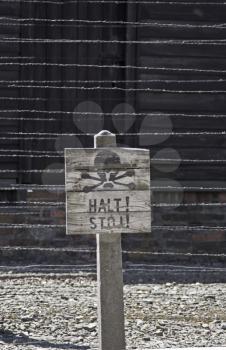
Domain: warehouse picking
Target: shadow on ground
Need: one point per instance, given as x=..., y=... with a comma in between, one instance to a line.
x=9, y=337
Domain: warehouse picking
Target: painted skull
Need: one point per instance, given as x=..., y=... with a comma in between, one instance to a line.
x=109, y=174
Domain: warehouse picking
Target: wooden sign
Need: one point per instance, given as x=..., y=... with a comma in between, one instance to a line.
x=107, y=190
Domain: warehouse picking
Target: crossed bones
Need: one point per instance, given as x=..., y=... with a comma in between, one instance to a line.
x=110, y=181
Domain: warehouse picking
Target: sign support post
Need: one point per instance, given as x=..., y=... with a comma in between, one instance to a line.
x=107, y=194
x=109, y=277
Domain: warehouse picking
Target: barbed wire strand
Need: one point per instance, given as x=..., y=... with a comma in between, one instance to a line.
x=82, y=113
x=62, y=188
x=116, y=88
x=168, y=228
x=39, y=136
x=114, y=66
x=157, y=205
x=105, y=22
x=17, y=83
x=124, y=251
x=20, y=213
x=199, y=42
x=152, y=160
x=33, y=202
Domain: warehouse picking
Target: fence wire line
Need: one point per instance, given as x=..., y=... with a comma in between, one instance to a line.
x=104, y=22
x=113, y=66
x=31, y=188
x=116, y=88
x=50, y=171
x=17, y=57
x=112, y=114
x=33, y=202
x=152, y=160
x=128, y=266
x=159, y=228
x=205, y=133
x=62, y=188
x=30, y=151
x=127, y=42
x=62, y=204
x=16, y=83
x=93, y=250
x=20, y=213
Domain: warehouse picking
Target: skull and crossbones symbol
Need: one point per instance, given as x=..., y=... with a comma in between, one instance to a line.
x=108, y=175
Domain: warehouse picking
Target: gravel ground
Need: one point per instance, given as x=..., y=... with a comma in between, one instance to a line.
x=58, y=311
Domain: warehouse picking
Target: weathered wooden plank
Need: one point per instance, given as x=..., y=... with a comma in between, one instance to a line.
x=106, y=159
x=183, y=85
x=112, y=182
x=162, y=29
x=7, y=47
x=82, y=223
x=185, y=49
x=108, y=202
x=189, y=153
x=181, y=61
x=191, y=173
x=9, y=9
x=198, y=141
x=182, y=101
x=179, y=11
x=137, y=179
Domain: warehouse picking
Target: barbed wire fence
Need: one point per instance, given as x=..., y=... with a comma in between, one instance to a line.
x=43, y=108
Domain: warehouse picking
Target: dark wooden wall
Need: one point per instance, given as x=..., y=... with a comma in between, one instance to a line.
x=186, y=80
x=7, y=72
x=184, y=86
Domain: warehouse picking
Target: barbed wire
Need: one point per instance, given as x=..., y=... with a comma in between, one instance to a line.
x=116, y=88
x=157, y=228
x=17, y=83
x=39, y=135
x=213, y=42
x=82, y=113
x=124, y=251
x=62, y=204
x=106, y=22
x=33, y=203
x=34, y=187
x=51, y=136
x=152, y=159
x=114, y=66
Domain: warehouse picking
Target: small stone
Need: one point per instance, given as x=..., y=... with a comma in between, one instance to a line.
x=168, y=284
x=159, y=332
x=140, y=322
x=205, y=325
x=27, y=318
x=223, y=326
x=91, y=326
x=212, y=297
x=147, y=338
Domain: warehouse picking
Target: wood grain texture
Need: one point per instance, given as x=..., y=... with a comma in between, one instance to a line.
x=107, y=190
x=81, y=158
x=82, y=223
x=78, y=180
x=108, y=201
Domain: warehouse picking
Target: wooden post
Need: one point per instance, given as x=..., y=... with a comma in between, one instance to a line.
x=107, y=194
x=109, y=277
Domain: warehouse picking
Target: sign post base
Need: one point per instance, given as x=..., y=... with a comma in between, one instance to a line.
x=110, y=278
